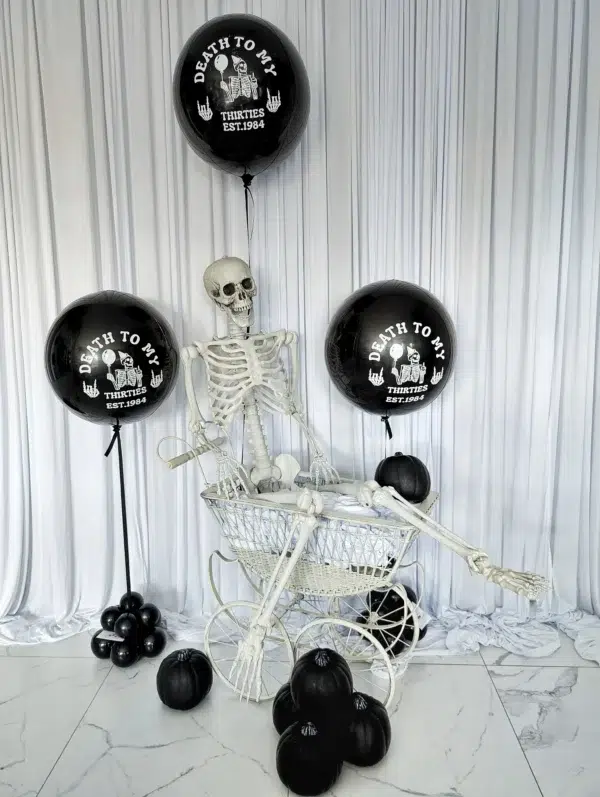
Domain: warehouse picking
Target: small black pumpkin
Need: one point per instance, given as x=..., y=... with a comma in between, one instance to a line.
x=153, y=643
x=305, y=763
x=130, y=602
x=101, y=647
x=406, y=474
x=370, y=733
x=149, y=615
x=285, y=712
x=109, y=617
x=388, y=630
x=321, y=682
x=124, y=653
x=184, y=679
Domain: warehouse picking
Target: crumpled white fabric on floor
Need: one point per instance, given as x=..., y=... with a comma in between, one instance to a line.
x=453, y=144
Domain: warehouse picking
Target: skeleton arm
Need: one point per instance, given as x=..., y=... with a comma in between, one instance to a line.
x=231, y=476
x=197, y=423
x=320, y=468
x=530, y=585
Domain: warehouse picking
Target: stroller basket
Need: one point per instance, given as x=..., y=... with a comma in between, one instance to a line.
x=346, y=554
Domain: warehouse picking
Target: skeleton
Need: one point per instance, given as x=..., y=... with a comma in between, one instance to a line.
x=127, y=375
x=414, y=371
x=243, y=84
x=246, y=374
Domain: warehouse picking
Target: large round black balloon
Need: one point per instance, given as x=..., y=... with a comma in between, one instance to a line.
x=111, y=356
x=241, y=94
x=390, y=348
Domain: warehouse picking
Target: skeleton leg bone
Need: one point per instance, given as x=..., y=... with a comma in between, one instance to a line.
x=370, y=494
x=249, y=657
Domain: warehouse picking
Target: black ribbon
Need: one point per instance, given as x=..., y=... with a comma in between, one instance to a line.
x=385, y=419
x=116, y=438
x=247, y=181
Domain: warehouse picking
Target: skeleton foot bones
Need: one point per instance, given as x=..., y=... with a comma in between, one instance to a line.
x=371, y=494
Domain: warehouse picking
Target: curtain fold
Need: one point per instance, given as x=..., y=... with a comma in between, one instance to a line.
x=450, y=143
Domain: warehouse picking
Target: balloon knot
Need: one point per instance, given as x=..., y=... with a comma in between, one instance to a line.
x=386, y=420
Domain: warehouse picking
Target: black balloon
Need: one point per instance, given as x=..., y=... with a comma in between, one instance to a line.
x=109, y=617
x=149, y=615
x=154, y=643
x=241, y=94
x=390, y=348
x=131, y=602
x=128, y=626
x=101, y=648
x=111, y=356
x=124, y=653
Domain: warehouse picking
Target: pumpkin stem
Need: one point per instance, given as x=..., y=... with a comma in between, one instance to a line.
x=184, y=655
x=308, y=729
x=398, y=454
x=321, y=658
x=360, y=704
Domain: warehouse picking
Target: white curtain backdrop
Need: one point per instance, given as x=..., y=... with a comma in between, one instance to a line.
x=453, y=143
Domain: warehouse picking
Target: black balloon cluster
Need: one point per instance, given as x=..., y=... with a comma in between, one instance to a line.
x=323, y=722
x=129, y=631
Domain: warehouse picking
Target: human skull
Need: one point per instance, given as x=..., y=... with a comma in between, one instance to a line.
x=230, y=285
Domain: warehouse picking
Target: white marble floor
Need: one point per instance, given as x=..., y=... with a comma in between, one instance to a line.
x=479, y=726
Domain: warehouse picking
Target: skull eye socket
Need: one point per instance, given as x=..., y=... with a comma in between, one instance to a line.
x=247, y=284
x=229, y=289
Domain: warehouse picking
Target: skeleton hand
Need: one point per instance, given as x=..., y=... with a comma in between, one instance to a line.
x=91, y=390
x=225, y=88
x=157, y=379
x=254, y=85
x=274, y=102
x=530, y=585
x=205, y=110
x=437, y=375
x=231, y=476
x=376, y=378
x=321, y=472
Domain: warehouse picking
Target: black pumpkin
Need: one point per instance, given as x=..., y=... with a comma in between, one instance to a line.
x=406, y=474
x=131, y=602
x=109, y=617
x=321, y=682
x=305, y=763
x=149, y=615
x=124, y=653
x=153, y=643
x=389, y=606
x=369, y=733
x=285, y=712
x=101, y=647
x=184, y=679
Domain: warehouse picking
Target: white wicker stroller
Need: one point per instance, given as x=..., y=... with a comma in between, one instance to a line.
x=321, y=553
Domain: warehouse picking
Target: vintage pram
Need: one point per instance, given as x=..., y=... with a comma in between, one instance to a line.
x=322, y=553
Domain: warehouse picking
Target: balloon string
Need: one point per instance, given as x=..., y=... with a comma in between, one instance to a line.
x=385, y=419
x=247, y=181
x=248, y=197
x=117, y=438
